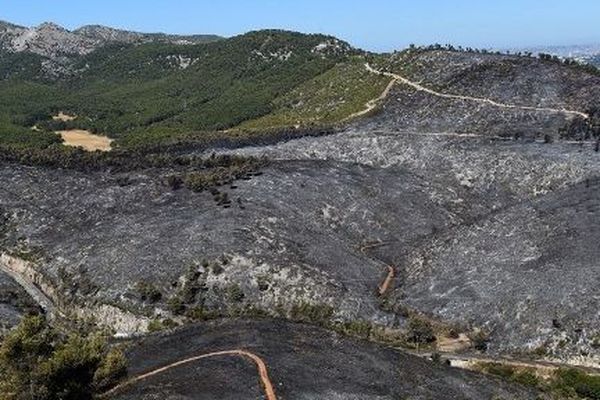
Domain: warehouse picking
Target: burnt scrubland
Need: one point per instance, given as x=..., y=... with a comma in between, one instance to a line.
x=240, y=209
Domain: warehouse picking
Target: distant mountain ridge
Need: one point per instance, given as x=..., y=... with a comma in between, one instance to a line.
x=55, y=42
x=108, y=34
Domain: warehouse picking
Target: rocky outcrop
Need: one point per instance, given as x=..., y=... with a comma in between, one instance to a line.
x=47, y=295
x=59, y=44
x=48, y=40
x=106, y=34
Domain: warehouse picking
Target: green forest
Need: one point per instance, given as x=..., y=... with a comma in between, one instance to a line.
x=154, y=93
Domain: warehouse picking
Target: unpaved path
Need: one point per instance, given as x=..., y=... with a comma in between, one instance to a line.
x=414, y=85
x=385, y=285
x=372, y=104
x=260, y=364
x=391, y=270
x=470, y=362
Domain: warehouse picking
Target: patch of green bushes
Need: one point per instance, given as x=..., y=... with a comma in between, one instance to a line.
x=564, y=383
x=319, y=314
x=570, y=381
x=37, y=362
x=420, y=331
x=148, y=292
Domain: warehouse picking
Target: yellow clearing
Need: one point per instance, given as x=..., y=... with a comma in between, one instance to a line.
x=85, y=139
x=450, y=345
x=63, y=117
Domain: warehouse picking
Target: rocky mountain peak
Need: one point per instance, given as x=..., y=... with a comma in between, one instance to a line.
x=50, y=26
x=48, y=40
x=55, y=42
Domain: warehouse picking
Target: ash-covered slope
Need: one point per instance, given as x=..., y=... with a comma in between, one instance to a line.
x=519, y=257
x=303, y=363
x=14, y=303
x=512, y=80
x=529, y=274
x=295, y=235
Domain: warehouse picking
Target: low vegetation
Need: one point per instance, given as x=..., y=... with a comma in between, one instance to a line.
x=327, y=99
x=37, y=362
x=157, y=93
x=564, y=383
x=195, y=173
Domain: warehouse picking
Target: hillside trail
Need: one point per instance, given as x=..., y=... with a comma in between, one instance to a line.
x=391, y=270
x=473, y=361
x=260, y=364
x=372, y=104
x=482, y=100
x=466, y=360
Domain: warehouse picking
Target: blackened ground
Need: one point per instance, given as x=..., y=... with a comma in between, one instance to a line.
x=304, y=363
x=14, y=303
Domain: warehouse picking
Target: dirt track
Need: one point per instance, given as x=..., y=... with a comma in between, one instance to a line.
x=260, y=364
x=470, y=362
x=372, y=104
x=414, y=85
x=385, y=285
x=391, y=270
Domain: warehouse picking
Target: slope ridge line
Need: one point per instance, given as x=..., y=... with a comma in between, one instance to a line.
x=414, y=85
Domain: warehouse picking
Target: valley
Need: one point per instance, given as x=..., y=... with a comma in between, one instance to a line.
x=283, y=216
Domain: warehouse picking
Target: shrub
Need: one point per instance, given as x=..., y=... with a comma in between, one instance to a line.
x=168, y=323
x=312, y=313
x=111, y=369
x=155, y=326
x=572, y=380
x=176, y=305
x=36, y=362
x=480, y=340
x=174, y=182
x=420, y=331
x=217, y=269
x=596, y=341
x=508, y=372
x=361, y=329
x=527, y=378
x=235, y=293
x=263, y=283
x=148, y=292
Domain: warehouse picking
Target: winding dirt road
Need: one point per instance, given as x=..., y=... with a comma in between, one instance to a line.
x=385, y=285
x=372, y=104
x=260, y=365
x=414, y=85
x=391, y=274
x=471, y=361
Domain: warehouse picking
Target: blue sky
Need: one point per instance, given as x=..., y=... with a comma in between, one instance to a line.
x=378, y=25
